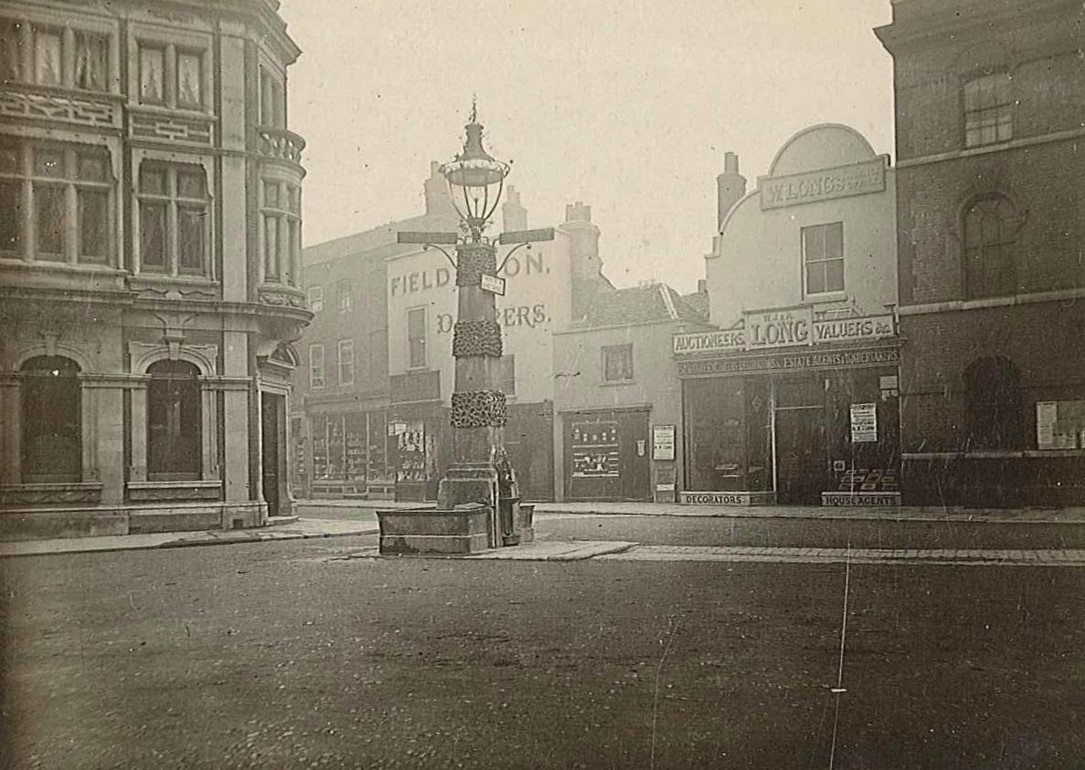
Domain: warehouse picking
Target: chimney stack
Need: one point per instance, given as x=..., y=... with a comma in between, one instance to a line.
x=436, y=190
x=730, y=186
x=513, y=215
x=587, y=268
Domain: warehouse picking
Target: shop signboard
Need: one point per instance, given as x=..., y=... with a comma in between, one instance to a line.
x=822, y=185
x=663, y=442
x=864, y=423
x=787, y=327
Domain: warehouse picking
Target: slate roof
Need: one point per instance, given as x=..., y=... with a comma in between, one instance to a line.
x=641, y=304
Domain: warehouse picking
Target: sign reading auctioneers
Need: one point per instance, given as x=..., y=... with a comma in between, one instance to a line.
x=785, y=328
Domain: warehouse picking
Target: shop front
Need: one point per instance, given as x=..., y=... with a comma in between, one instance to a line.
x=606, y=455
x=792, y=409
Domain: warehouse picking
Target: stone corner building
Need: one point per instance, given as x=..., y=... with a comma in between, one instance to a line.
x=990, y=104
x=149, y=239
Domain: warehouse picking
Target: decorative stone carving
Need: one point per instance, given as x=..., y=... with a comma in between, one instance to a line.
x=86, y=493
x=474, y=259
x=280, y=144
x=479, y=409
x=84, y=112
x=282, y=298
x=476, y=338
x=171, y=127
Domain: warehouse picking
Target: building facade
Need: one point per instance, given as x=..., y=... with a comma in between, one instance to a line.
x=372, y=417
x=990, y=104
x=793, y=397
x=149, y=243
x=617, y=396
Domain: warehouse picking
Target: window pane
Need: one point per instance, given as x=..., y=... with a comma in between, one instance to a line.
x=271, y=194
x=152, y=180
x=815, y=278
x=190, y=184
x=11, y=215
x=271, y=248
x=92, y=167
x=91, y=61
x=152, y=75
x=49, y=221
x=47, y=57
x=416, y=337
x=93, y=225
x=49, y=163
x=189, y=88
x=9, y=51
x=292, y=247
x=10, y=162
x=190, y=239
x=834, y=240
x=834, y=275
x=152, y=217
x=51, y=422
x=813, y=243
x=174, y=430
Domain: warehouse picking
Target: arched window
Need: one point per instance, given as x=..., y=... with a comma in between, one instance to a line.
x=994, y=404
x=52, y=440
x=174, y=430
x=990, y=226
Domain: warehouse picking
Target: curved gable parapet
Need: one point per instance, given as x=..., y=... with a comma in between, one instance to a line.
x=827, y=145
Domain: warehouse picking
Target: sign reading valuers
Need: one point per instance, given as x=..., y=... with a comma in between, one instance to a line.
x=785, y=328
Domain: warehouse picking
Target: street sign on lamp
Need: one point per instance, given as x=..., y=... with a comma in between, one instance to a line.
x=493, y=284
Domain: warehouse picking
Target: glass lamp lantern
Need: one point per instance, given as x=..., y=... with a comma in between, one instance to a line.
x=475, y=181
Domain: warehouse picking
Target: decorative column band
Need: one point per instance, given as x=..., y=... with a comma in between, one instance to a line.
x=476, y=338
x=472, y=260
x=479, y=409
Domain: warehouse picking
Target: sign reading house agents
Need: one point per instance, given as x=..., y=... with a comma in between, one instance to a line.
x=788, y=327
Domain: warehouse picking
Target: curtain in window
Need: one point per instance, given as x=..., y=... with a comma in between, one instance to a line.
x=152, y=67
x=91, y=61
x=47, y=57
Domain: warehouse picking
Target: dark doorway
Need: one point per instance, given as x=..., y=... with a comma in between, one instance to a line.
x=271, y=423
x=606, y=456
x=800, y=455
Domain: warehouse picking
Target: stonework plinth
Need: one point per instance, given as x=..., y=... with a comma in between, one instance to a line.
x=416, y=531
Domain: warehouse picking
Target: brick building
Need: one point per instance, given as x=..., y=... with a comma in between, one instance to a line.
x=990, y=104
x=149, y=239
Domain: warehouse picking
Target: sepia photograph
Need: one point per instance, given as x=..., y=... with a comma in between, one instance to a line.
x=517, y=384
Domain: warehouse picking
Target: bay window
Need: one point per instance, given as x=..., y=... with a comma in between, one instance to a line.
x=281, y=208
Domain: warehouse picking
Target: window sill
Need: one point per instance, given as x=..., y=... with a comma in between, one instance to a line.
x=825, y=298
x=165, y=109
x=19, y=263
x=616, y=383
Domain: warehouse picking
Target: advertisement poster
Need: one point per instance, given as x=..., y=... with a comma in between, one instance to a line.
x=864, y=423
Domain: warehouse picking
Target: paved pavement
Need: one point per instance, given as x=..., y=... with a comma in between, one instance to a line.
x=338, y=518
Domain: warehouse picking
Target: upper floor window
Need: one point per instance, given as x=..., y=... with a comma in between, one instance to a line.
x=990, y=226
x=416, y=337
x=171, y=76
x=316, y=366
x=993, y=404
x=618, y=363
x=988, y=110
x=823, y=257
x=345, y=351
x=316, y=298
x=173, y=215
x=344, y=292
x=57, y=56
x=55, y=202
x=272, y=100
x=281, y=231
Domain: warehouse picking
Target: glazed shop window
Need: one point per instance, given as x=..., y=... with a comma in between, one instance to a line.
x=55, y=202
x=51, y=420
x=618, y=363
x=823, y=257
x=1060, y=424
x=345, y=351
x=316, y=366
x=170, y=76
x=173, y=216
x=316, y=298
x=58, y=56
x=281, y=231
x=174, y=429
x=990, y=227
x=416, y=337
x=988, y=110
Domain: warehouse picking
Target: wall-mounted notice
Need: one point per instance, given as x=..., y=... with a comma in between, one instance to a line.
x=864, y=423
x=663, y=442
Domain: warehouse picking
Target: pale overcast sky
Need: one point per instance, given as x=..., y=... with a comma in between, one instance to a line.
x=626, y=105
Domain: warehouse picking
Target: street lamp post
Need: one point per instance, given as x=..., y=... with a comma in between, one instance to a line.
x=481, y=475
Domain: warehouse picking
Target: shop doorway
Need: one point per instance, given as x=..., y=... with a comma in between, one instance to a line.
x=606, y=456
x=801, y=472
x=272, y=451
